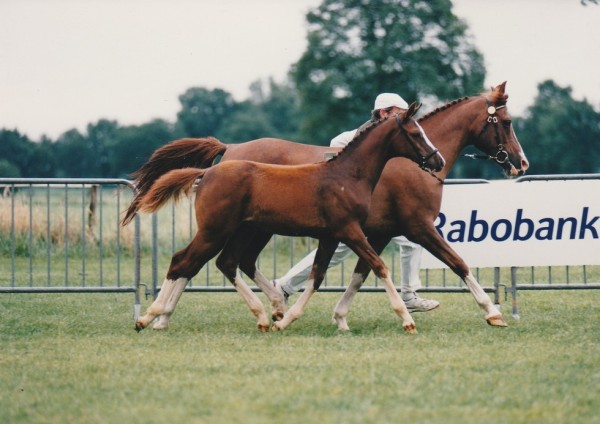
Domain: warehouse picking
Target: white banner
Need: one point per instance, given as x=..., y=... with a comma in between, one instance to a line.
x=507, y=223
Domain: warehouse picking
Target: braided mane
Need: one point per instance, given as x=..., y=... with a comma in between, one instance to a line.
x=441, y=108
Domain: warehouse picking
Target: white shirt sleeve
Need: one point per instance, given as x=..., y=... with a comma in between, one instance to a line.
x=342, y=139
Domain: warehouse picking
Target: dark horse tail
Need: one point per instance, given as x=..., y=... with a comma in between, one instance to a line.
x=170, y=185
x=184, y=153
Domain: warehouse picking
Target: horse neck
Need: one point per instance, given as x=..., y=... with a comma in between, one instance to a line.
x=365, y=157
x=451, y=129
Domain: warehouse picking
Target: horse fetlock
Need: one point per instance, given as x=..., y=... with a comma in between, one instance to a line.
x=278, y=309
x=409, y=327
x=277, y=315
x=139, y=325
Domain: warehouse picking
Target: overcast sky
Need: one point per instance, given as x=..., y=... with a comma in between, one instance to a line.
x=66, y=63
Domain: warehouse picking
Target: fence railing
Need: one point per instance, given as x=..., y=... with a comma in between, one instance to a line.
x=64, y=235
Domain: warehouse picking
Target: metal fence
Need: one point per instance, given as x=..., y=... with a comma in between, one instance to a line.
x=64, y=235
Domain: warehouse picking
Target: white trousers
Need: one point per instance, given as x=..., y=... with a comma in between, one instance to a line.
x=410, y=262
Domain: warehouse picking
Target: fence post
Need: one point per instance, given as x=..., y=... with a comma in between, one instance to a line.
x=137, y=306
x=497, y=286
x=154, y=255
x=513, y=290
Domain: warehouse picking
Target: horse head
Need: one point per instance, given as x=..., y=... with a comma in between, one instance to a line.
x=425, y=153
x=497, y=137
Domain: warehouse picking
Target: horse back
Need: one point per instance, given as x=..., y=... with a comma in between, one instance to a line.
x=277, y=151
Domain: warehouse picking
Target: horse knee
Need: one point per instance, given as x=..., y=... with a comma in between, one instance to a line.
x=462, y=270
x=248, y=268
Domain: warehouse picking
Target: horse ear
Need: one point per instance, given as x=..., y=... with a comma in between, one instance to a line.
x=500, y=88
x=412, y=109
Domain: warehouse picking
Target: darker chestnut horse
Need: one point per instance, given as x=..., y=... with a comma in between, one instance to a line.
x=327, y=200
x=406, y=200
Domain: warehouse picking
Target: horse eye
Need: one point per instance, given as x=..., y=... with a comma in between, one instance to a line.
x=507, y=123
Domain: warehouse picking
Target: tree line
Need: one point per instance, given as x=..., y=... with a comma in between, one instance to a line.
x=417, y=48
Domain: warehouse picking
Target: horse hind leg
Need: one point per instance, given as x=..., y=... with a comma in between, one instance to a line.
x=184, y=265
x=340, y=312
x=164, y=304
x=247, y=264
x=174, y=291
x=227, y=264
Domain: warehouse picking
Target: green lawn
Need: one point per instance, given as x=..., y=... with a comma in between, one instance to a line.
x=76, y=358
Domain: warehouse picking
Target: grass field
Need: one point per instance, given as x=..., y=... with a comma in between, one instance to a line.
x=74, y=358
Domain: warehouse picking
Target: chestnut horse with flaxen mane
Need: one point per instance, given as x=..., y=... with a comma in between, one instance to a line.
x=327, y=200
x=406, y=200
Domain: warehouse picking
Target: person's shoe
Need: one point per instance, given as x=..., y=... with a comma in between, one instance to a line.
x=418, y=304
x=280, y=289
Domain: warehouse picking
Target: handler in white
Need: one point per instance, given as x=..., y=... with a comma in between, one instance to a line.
x=410, y=253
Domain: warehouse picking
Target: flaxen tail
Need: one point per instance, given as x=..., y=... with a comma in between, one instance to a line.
x=170, y=185
x=184, y=153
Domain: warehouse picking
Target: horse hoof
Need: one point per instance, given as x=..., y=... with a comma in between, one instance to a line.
x=139, y=326
x=340, y=323
x=277, y=316
x=263, y=328
x=410, y=328
x=275, y=327
x=496, y=321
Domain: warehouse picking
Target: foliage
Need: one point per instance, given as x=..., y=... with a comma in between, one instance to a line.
x=563, y=133
x=203, y=111
x=357, y=49
x=136, y=144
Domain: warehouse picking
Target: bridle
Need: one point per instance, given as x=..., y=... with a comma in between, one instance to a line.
x=422, y=159
x=501, y=156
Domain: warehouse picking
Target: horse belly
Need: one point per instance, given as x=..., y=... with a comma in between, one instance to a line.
x=284, y=218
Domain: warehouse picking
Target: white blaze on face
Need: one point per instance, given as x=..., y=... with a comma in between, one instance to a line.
x=429, y=143
x=521, y=152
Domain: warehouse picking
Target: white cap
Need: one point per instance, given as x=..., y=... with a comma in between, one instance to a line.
x=385, y=100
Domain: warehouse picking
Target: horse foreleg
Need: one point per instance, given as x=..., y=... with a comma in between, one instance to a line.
x=358, y=242
x=361, y=271
x=493, y=316
x=317, y=275
x=437, y=246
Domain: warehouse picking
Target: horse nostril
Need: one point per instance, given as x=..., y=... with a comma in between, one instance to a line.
x=524, y=164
